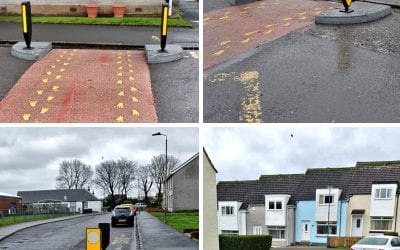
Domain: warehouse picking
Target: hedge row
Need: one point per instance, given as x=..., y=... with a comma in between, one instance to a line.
x=243, y=242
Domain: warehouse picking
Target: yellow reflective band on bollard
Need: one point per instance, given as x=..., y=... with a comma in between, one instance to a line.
x=348, y=2
x=165, y=21
x=93, y=239
x=24, y=24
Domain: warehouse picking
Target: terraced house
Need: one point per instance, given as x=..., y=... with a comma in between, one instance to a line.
x=306, y=208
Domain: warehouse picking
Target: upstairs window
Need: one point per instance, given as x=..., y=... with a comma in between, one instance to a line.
x=275, y=205
x=227, y=210
x=383, y=193
x=326, y=199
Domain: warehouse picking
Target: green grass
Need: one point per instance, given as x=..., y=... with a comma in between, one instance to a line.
x=132, y=21
x=180, y=220
x=11, y=220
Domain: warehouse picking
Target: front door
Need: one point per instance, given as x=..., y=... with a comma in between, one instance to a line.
x=305, y=230
x=356, y=225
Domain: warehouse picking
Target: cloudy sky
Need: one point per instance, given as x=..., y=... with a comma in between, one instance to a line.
x=30, y=157
x=246, y=153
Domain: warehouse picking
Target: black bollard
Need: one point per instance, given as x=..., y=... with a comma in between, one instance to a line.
x=105, y=235
x=164, y=26
x=346, y=4
x=27, y=23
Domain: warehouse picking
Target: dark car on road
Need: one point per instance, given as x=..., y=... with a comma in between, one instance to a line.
x=122, y=215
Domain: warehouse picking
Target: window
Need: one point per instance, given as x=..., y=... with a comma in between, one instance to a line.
x=358, y=223
x=383, y=193
x=322, y=228
x=326, y=199
x=277, y=232
x=236, y=232
x=257, y=230
x=275, y=205
x=227, y=210
x=381, y=223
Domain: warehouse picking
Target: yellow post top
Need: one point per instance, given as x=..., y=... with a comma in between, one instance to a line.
x=93, y=239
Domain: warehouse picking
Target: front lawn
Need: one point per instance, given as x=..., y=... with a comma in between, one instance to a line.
x=180, y=220
x=127, y=21
x=11, y=220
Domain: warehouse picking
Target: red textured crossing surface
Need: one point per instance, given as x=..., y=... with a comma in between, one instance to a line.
x=233, y=30
x=83, y=86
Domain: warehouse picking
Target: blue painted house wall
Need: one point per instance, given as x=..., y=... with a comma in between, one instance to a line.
x=305, y=211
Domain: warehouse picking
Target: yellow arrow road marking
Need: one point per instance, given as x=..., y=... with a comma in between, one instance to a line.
x=121, y=93
x=120, y=119
x=58, y=77
x=268, y=31
x=218, y=53
x=50, y=98
x=53, y=66
x=39, y=92
x=120, y=105
x=134, y=99
x=224, y=43
x=44, y=110
x=119, y=82
x=55, y=88
x=32, y=103
x=26, y=117
x=135, y=112
x=250, y=33
x=131, y=78
x=119, y=74
x=133, y=89
x=65, y=64
x=287, y=19
x=62, y=70
x=224, y=17
x=48, y=73
x=246, y=40
x=45, y=80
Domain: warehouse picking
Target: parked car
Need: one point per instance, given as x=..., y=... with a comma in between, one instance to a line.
x=140, y=205
x=131, y=206
x=377, y=243
x=122, y=215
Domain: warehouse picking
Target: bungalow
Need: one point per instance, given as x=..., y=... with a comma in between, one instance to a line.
x=182, y=186
x=9, y=204
x=76, y=200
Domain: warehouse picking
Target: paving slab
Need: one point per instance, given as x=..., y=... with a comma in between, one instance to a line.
x=362, y=13
x=83, y=86
x=156, y=235
x=236, y=29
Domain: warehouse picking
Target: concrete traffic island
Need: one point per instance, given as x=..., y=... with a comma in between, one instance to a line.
x=363, y=12
x=171, y=53
x=37, y=51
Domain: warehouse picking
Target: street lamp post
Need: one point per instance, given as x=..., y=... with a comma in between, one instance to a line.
x=165, y=173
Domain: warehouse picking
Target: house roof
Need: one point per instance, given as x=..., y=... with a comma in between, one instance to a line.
x=191, y=159
x=5, y=195
x=319, y=178
x=254, y=191
x=57, y=195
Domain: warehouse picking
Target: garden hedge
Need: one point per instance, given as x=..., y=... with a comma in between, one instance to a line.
x=242, y=242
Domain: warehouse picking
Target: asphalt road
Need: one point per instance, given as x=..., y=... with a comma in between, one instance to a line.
x=68, y=234
x=11, y=70
x=176, y=89
x=105, y=34
x=317, y=74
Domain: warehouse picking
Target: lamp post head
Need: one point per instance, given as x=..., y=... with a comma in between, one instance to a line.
x=155, y=134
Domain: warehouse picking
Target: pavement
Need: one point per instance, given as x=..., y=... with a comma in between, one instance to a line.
x=99, y=34
x=231, y=31
x=68, y=234
x=83, y=86
x=318, y=73
x=8, y=231
x=156, y=235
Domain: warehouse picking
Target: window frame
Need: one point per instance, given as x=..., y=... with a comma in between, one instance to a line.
x=381, y=218
x=322, y=197
x=325, y=224
x=275, y=202
x=280, y=229
x=225, y=209
x=378, y=193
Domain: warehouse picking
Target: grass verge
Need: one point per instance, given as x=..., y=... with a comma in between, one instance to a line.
x=180, y=220
x=126, y=21
x=11, y=220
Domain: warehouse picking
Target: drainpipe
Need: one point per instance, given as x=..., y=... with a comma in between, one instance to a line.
x=395, y=221
x=340, y=218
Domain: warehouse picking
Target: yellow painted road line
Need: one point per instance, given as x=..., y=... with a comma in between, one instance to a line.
x=225, y=17
x=251, y=105
x=246, y=40
x=268, y=31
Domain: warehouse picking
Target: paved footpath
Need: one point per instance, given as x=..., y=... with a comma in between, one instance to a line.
x=233, y=30
x=156, y=235
x=83, y=86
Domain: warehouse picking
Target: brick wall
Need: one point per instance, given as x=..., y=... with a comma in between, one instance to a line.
x=77, y=8
x=5, y=204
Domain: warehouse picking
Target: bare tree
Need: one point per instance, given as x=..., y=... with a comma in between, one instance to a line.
x=159, y=170
x=126, y=175
x=106, y=178
x=145, y=181
x=73, y=175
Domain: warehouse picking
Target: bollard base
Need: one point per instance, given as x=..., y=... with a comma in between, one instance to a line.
x=155, y=55
x=36, y=51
